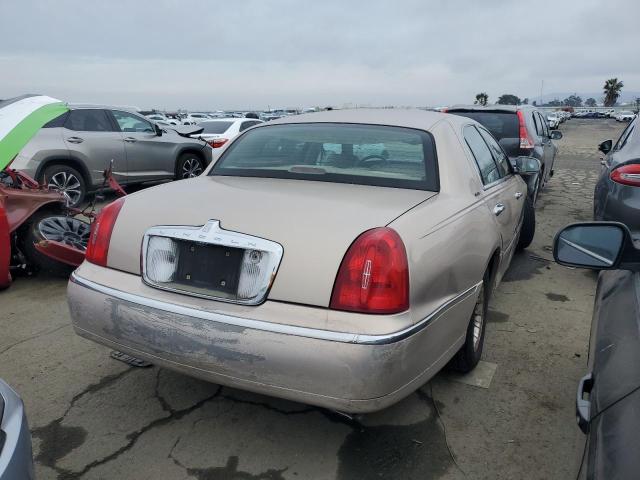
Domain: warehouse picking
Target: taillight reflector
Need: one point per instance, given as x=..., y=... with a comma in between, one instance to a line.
x=627, y=174
x=526, y=142
x=101, y=230
x=374, y=275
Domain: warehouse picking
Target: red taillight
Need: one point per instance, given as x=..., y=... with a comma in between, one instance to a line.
x=101, y=229
x=373, y=275
x=526, y=142
x=627, y=175
x=217, y=142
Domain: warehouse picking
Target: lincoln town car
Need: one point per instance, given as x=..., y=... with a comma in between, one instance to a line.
x=339, y=259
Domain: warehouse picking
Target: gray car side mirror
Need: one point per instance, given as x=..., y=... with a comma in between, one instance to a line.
x=158, y=130
x=555, y=135
x=596, y=245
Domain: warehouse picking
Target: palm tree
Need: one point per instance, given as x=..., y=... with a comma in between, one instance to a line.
x=612, y=88
x=482, y=99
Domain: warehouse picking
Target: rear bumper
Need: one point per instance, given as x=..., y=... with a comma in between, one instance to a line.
x=338, y=370
x=16, y=459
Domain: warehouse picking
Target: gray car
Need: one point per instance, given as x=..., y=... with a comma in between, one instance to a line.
x=16, y=461
x=72, y=151
x=617, y=192
x=521, y=130
x=609, y=394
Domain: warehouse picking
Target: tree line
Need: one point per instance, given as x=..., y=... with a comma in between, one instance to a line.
x=611, y=90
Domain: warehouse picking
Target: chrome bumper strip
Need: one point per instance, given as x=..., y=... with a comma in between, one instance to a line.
x=314, y=333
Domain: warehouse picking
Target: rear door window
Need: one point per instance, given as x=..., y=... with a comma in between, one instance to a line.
x=537, y=123
x=88, y=120
x=489, y=170
x=498, y=154
x=545, y=126
x=500, y=124
x=626, y=134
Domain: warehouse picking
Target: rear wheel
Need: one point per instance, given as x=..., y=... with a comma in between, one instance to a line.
x=48, y=225
x=469, y=355
x=528, y=229
x=68, y=181
x=189, y=166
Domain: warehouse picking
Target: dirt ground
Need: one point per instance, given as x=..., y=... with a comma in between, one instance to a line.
x=93, y=417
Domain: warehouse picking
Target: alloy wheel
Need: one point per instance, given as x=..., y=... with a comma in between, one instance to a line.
x=191, y=168
x=67, y=184
x=67, y=230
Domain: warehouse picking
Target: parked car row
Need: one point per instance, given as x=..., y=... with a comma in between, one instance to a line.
x=194, y=118
x=625, y=116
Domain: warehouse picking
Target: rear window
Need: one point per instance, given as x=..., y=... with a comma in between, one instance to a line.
x=500, y=124
x=330, y=152
x=215, y=127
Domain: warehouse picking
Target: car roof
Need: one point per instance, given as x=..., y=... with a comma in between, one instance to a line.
x=491, y=108
x=410, y=117
x=79, y=106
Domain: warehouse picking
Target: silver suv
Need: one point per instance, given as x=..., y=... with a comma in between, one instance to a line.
x=72, y=151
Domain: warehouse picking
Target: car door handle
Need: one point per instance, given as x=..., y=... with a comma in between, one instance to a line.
x=583, y=406
x=75, y=140
x=130, y=139
x=518, y=195
x=498, y=209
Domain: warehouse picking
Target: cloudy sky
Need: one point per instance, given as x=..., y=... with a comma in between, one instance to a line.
x=210, y=54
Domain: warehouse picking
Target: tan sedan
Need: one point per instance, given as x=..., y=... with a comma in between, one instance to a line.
x=339, y=258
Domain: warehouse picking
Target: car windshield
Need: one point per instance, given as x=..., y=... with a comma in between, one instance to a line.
x=341, y=153
x=500, y=124
x=215, y=127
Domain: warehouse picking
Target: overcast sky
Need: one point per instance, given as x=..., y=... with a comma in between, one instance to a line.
x=210, y=54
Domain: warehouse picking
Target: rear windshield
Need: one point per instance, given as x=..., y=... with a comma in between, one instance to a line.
x=331, y=152
x=500, y=124
x=215, y=127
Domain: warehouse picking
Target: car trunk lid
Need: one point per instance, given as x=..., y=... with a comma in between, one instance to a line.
x=314, y=221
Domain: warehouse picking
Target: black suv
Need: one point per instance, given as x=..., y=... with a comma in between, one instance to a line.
x=521, y=130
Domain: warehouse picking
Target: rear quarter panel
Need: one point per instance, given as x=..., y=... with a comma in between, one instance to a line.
x=46, y=144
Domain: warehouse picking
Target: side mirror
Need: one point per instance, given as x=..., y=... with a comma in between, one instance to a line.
x=527, y=165
x=157, y=129
x=596, y=245
x=555, y=135
x=606, y=146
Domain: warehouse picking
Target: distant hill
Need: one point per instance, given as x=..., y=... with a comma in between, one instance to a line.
x=626, y=96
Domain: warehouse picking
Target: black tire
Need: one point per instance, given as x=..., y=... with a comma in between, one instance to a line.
x=528, y=229
x=189, y=165
x=30, y=234
x=469, y=355
x=67, y=180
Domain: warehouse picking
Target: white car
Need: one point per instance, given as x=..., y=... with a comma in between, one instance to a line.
x=553, y=120
x=195, y=118
x=162, y=119
x=219, y=131
x=625, y=116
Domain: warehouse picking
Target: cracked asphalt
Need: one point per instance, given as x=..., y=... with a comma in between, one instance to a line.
x=93, y=417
